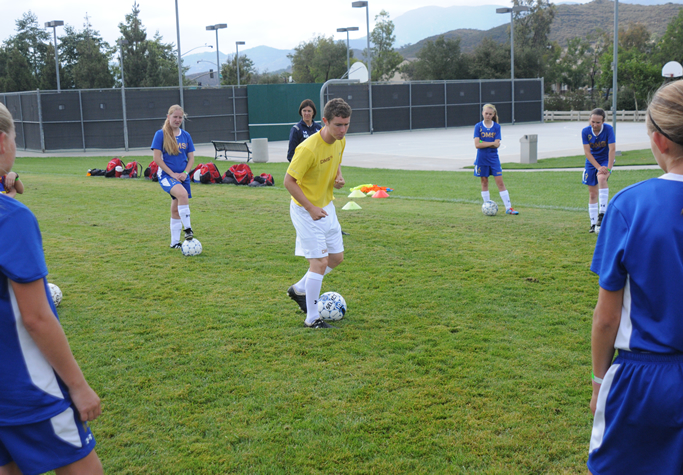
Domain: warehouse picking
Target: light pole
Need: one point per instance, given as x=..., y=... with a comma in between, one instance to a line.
x=512, y=48
x=348, y=58
x=122, y=42
x=218, y=26
x=362, y=4
x=615, y=60
x=54, y=24
x=180, y=61
x=237, y=59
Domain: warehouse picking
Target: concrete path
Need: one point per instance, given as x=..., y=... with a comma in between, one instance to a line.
x=434, y=149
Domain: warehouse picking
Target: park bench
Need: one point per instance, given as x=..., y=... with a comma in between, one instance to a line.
x=224, y=146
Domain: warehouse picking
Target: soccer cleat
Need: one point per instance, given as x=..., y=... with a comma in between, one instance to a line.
x=176, y=246
x=298, y=297
x=319, y=323
x=592, y=229
x=511, y=211
x=189, y=234
x=599, y=223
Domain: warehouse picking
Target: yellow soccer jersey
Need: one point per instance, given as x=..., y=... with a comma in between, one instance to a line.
x=315, y=166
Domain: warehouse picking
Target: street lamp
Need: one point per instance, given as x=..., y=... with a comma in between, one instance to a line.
x=197, y=47
x=362, y=4
x=237, y=59
x=218, y=26
x=122, y=42
x=348, y=59
x=512, y=10
x=54, y=24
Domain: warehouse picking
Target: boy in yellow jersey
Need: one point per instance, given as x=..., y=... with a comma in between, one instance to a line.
x=314, y=170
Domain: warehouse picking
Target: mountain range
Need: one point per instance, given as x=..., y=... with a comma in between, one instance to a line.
x=415, y=27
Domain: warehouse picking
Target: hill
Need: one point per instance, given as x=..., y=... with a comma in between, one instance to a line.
x=571, y=20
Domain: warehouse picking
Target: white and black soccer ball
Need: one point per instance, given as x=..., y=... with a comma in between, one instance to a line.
x=56, y=294
x=489, y=208
x=192, y=247
x=331, y=306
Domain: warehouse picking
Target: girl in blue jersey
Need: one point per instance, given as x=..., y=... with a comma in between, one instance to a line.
x=45, y=402
x=599, y=147
x=638, y=424
x=487, y=140
x=305, y=128
x=174, y=153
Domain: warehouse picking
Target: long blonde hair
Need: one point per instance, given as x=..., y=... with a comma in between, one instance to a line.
x=6, y=127
x=665, y=112
x=495, y=112
x=170, y=142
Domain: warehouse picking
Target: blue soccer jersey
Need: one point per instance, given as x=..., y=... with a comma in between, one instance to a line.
x=599, y=144
x=178, y=162
x=487, y=156
x=640, y=250
x=30, y=391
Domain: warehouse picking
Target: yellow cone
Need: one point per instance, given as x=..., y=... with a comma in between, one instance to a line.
x=351, y=205
x=357, y=194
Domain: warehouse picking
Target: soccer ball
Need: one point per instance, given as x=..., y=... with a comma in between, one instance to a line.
x=56, y=294
x=489, y=208
x=192, y=247
x=331, y=306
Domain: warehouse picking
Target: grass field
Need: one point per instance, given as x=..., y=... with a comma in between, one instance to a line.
x=634, y=157
x=465, y=349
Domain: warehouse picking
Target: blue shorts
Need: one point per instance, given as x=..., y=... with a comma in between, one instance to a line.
x=590, y=176
x=638, y=425
x=43, y=446
x=486, y=170
x=166, y=183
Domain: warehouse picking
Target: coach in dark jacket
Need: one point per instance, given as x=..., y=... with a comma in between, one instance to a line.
x=305, y=128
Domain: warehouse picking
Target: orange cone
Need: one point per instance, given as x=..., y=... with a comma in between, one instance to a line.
x=381, y=194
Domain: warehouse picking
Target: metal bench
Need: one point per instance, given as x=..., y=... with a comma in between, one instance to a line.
x=223, y=146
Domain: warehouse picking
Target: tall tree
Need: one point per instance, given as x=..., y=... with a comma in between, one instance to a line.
x=490, y=60
x=85, y=57
x=32, y=43
x=670, y=46
x=229, y=70
x=533, y=49
x=385, y=60
x=438, y=60
x=135, y=50
x=318, y=60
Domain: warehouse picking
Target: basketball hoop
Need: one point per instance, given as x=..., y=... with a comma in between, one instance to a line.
x=672, y=69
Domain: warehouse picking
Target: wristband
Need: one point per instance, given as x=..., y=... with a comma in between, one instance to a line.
x=16, y=177
x=595, y=378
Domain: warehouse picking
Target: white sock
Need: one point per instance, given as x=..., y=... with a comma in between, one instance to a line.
x=604, y=198
x=314, y=282
x=301, y=285
x=505, y=196
x=184, y=212
x=593, y=212
x=176, y=227
x=486, y=196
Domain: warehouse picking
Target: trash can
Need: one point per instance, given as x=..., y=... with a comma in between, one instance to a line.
x=259, y=150
x=529, y=149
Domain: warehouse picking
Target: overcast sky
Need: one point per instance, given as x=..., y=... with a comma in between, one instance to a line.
x=279, y=24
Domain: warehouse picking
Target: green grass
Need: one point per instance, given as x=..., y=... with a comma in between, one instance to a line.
x=466, y=347
x=634, y=157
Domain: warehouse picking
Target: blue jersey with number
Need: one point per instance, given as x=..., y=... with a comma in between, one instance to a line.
x=30, y=391
x=178, y=162
x=599, y=144
x=640, y=250
x=487, y=156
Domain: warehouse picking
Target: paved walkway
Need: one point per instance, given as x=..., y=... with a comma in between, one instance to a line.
x=436, y=149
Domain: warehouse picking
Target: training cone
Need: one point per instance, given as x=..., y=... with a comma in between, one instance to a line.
x=370, y=193
x=351, y=205
x=357, y=194
x=380, y=194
